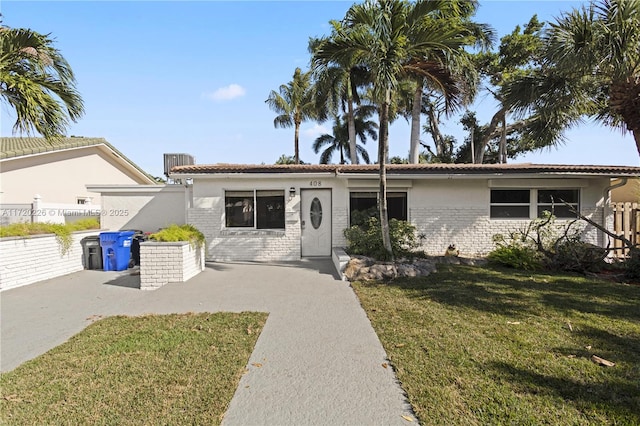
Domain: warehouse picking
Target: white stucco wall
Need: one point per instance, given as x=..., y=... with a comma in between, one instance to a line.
x=60, y=176
x=143, y=207
x=446, y=211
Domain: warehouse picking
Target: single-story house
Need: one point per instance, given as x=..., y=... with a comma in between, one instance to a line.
x=58, y=171
x=285, y=212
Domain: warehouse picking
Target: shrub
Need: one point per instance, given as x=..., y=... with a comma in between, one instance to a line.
x=545, y=244
x=577, y=256
x=632, y=265
x=515, y=253
x=175, y=233
x=366, y=239
x=361, y=217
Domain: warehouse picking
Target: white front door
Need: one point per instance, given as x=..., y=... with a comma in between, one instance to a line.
x=315, y=215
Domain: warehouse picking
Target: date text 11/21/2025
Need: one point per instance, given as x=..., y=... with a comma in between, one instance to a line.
x=62, y=212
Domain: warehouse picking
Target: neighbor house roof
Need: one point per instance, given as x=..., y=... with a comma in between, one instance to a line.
x=409, y=169
x=21, y=147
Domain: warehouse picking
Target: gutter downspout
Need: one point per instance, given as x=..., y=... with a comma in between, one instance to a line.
x=605, y=197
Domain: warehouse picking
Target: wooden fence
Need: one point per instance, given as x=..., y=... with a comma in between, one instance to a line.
x=626, y=223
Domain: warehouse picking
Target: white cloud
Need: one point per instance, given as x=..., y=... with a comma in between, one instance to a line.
x=227, y=93
x=315, y=131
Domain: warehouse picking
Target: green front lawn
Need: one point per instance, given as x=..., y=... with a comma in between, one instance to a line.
x=475, y=346
x=169, y=369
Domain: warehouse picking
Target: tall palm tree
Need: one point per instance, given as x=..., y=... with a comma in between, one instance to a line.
x=592, y=68
x=446, y=68
x=294, y=102
x=339, y=140
x=37, y=83
x=374, y=33
x=339, y=84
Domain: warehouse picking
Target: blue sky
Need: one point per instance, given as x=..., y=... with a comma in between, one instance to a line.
x=192, y=77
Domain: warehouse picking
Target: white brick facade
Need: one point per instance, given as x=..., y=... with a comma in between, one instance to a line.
x=163, y=262
x=446, y=211
x=472, y=230
x=28, y=260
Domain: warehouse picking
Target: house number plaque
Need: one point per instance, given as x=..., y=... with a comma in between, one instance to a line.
x=315, y=183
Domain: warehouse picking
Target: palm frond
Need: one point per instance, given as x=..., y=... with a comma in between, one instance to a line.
x=38, y=83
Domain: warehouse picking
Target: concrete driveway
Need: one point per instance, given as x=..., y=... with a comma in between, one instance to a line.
x=322, y=363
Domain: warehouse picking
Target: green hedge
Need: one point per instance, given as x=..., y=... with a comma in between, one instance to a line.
x=175, y=233
x=62, y=232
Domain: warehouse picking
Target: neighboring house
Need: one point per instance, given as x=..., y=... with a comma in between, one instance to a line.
x=285, y=212
x=59, y=171
x=627, y=193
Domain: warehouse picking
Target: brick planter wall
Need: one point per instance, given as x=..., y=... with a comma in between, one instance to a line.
x=39, y=257
x=162, y=263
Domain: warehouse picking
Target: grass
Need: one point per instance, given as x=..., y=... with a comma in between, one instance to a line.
x=476, y=346
x=170, y=369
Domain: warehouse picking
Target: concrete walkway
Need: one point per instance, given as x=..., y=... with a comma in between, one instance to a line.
x=321, y=362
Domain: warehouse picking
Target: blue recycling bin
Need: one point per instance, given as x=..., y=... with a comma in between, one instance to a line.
x=116, y=250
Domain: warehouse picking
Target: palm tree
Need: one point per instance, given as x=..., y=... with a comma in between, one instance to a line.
x=445, y=67
x=339, y=85
x=339, y=140
x=294, y=102
x=374, y=33
x=592, y=69
x=37, y=83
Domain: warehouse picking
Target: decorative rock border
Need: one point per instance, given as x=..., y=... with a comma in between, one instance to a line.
x=362, y=268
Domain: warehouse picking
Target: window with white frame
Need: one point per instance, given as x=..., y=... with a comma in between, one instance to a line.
x=552, y=200
x=254, y=209
x=510, y=203
x=529, y=203
x=365, y=204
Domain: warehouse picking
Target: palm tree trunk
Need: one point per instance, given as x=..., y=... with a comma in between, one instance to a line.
x=296, y=144
x=414, y=153
x=351, y=126
x=383, y=153
x=636, y=136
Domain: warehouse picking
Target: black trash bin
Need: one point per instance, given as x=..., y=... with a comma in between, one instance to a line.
x=91, y=252
x=138, y=237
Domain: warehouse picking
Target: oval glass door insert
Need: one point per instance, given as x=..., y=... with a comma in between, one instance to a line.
x=315, y=213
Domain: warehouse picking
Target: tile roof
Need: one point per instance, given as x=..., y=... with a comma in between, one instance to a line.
x=20, y=147
x=405, y=169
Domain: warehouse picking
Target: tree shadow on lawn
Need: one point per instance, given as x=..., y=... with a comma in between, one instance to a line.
x=612, y=347
x=614, y=392
x=518, y=294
